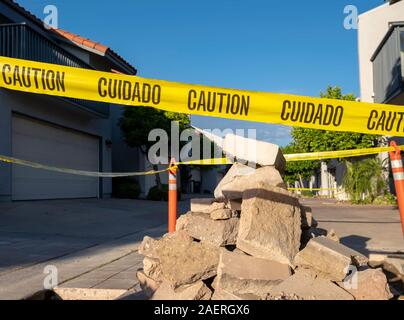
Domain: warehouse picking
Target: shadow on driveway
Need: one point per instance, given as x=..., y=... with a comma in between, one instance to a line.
x=37, y=231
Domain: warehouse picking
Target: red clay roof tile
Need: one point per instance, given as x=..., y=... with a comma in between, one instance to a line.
x=81, y=41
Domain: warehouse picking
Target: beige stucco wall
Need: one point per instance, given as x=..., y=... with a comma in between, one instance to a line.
x=373, y=26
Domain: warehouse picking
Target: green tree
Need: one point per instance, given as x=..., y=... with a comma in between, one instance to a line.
x=298, y=170
x=137, y=122
x=364, y=178
x=313, y=140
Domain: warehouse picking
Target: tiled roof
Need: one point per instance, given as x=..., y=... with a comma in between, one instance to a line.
x=91, y=45
x=76, y=39
x=81, y=41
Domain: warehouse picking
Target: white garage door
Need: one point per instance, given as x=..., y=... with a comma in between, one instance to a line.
x=52, y=145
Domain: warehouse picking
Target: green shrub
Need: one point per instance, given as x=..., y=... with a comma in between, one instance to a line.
x=364, y=180
x=387, y=199
x=160, y=195
x=307, y=193
x=125, y=188
x=366, y=200
x=155, y=194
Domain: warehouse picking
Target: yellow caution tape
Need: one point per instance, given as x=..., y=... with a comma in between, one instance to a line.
x=77, y=172
x=6, y=159
x=207, y=162
x=306, y=156
x=286, y=109
x=338, y=154
x=213, y=161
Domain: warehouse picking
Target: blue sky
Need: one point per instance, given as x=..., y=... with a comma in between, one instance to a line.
x=296, y=47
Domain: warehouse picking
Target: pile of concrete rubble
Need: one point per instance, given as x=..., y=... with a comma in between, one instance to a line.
x=255, y=241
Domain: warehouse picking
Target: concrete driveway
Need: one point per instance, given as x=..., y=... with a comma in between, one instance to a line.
x=76, y=236
x=93, y=243
x=367, y=229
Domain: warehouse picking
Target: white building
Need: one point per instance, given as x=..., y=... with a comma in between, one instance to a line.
x=381, y=57
x=381, y=72
x=381, y=47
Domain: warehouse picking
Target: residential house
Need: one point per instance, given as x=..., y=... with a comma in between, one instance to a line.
x=381, y=73
x=380, y=43
x=60, y=132
x=381, y=57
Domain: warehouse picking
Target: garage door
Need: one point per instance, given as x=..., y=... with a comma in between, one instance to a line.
x=56, y=146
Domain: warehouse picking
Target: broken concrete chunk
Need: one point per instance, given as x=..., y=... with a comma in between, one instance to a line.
x=148, y=285
x=146, y=248
x=152, y=268
x=214, y=283
x=394, y=266
x=306, y=285
x=270, y=224
x=332, y=235
x=370, y=284
x=86, y=294
x=194, y=291
x=180, y=237
x=185, y=262
x=221, y=214
x=234, y=189
x=236, y=170
x=214, y=206
x=308, y=234
x=200, y=204
x=329, y=258
x=243, y=274
x=221, y=294
x=308, y=220
x=376, y=260
x=283, y=296
x=183, y=221
x=358, y=259
x=216, y=232
x=253, y=151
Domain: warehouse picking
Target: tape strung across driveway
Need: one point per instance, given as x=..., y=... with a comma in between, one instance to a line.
x=6, y=159
x=286, y=109
x=76, y=172
x=213, y=161
x=338, y=154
